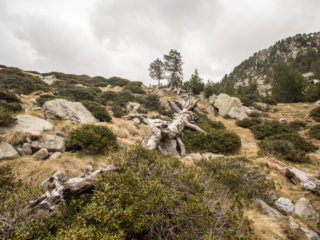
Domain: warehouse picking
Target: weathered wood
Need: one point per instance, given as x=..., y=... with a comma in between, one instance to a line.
x=61, y=188
x=307, y=181
x=165, y=135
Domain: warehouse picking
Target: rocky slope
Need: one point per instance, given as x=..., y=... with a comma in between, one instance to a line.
x=301, y=50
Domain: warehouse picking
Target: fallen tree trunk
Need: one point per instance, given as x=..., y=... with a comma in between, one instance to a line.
x=61, y=188
x=165, y=135
x=307, y=181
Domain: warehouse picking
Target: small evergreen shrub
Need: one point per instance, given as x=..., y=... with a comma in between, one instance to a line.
x=254, y=114
x=80, y=94
x=269, y=128
x=9, y=97
x=92, y=139
x=6, y=118
x=44, y=98
x=206, y=123
x=315, y=114
x=108, y=96
x=135, y=87
x=215, y=141
x=11, y=106
x=290, y=146
x=238, y=176
x=248, y=123
x=314, y=131
x=97, y=110
x=118, y=111
x=297, y=125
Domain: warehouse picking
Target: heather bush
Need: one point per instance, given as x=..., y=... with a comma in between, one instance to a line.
x=6, y=118
x=297, y=125
x=98, y=111
x=248, y=123
x=269, y=128
x=315, y=114
x=92, y=139
x=314, y=131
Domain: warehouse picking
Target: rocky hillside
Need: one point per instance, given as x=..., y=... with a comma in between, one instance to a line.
x=106, y=158
x=302, y=51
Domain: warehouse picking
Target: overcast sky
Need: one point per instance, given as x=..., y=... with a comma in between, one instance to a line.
x=122, y=37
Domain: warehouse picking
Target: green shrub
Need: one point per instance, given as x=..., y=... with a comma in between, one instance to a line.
x=248, y=99
x=80, y=94
x=315, y=114
x=20, y=82
x=46, y=97
x=9, y=97
x=11, y=106
x=315, y=131
x=238, y=176
x=118, y=111
x=6, y=117
x=297, y=125
x=268, y=99
x=117, y=81
x=254, y=114
x=215, y=141
x=14, y=195
x=135, y=87
x=97, y=110
x=269, y=128
x=206, y=123
x=248, y=123
x=151, y=196
x=92, y=139
x=195, y=84
x=290, y=146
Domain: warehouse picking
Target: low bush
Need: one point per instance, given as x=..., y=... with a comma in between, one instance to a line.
x=9, y=97
x=109, y=96
x=11, y=106
x=20, y=82
x=269, y=128
x=81, y=94
x=118, y=111
x=44, y=98
x=290, y=146
x=254, y=114
x=92, y=139
x=297, y=125
x=6, y=118
x=314, y=131
x=151, y=196
x=248, y=123
x=215, y=141
x=315, y=114
x=135, y=87
x=238, y=176
x=97, y=110
x=206, y=123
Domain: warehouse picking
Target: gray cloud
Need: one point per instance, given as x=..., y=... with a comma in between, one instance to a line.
x=121, y=37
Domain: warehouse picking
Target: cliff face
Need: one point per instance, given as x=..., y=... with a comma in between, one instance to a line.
x=302, y=51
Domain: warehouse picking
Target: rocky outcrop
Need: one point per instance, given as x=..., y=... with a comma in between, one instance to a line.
x=67, y=110
x=49, y=79
x=304, y=209
x=284, y=205
x=230, y=106
x=50, y=142
x=7, y=152
x=28, y=123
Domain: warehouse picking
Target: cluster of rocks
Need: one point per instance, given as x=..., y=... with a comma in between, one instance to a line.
x=302, y=208
x=230, y=106
x=42, y=147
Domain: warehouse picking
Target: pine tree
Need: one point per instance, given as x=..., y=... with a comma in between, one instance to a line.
x=157, y=70
x=195, y=84
x=173, y=65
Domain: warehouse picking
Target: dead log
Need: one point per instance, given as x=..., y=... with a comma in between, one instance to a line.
x=61, y=188
x=165, y=135
x=306, y=180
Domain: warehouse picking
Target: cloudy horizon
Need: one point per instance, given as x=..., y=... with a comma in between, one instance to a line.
x=121, y=37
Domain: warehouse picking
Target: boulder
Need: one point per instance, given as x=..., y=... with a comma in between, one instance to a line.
x=26, y=149
x=7, y=152
x=284, y=205
x=230, y=106
x=261, y=106
x=42, y=154
x=52, y=143
x=317, y=102
x=28, y=123
x=212, y=99
x=266, y=209
x=310, y=234
x=55, y=155
x=304, y=209
x=49, y=79
x=132, y=106
x=67, y=110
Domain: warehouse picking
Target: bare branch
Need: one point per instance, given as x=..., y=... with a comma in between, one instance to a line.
x=174, y=106
x=195, y=127
x=182, y=147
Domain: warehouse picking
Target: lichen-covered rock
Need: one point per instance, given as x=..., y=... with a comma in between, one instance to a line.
x=212, y=99
x=26, y=149
x=284, y=205
x=304, y=209
x=42, y=154
x=55, y=155
x=51, y=142
x=67, y=110
x=310, y=234
x=28, y=123
x=7, y=151
x=266, y=209
x=230, y=106
x=261, y=106
x=49, y=79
